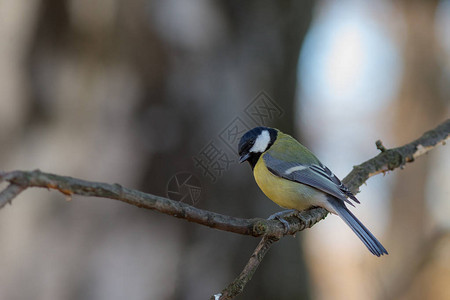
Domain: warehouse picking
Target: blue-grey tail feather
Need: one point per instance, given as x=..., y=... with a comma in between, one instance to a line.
x=361, y=231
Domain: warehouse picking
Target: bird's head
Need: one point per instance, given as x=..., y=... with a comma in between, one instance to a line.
x=254, y=143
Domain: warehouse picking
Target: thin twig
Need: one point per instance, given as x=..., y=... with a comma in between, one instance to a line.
x=10, y=193
x=394, y=158
x=238, y=284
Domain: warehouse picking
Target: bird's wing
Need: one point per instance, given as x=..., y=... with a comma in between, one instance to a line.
x=315, y=175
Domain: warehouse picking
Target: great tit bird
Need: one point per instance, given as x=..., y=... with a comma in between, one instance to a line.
x=292, y=177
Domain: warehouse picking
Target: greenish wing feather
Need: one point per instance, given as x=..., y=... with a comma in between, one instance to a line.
x=309, y=174
x=286, y=148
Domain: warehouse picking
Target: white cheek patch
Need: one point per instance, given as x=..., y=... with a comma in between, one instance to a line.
x=261, y=143
x=294, y=169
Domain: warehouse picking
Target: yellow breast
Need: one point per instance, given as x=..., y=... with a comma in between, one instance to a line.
x=285, y=193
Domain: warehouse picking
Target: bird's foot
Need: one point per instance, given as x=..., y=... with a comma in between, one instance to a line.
x=281, y=215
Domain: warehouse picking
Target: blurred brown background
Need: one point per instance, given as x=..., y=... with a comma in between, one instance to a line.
x=133, y=91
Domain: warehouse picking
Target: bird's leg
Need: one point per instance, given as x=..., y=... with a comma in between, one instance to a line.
x=284, y=214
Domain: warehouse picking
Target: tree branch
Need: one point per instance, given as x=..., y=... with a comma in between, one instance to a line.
x=272, y=230
x=308, y=219
x=20, y=180
x=10, y=193
x=238, y=285
x=387, y=160
x=391, y=159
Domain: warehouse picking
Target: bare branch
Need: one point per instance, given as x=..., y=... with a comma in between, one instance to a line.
x=10, y=193
x=72, y=186
x=238, y=285
x=391, y=159
x=388, y=159
x=310, y=218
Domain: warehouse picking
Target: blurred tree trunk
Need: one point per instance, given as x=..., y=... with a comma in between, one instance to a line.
x=135, y=91
x=420, y=106
x=256, y=47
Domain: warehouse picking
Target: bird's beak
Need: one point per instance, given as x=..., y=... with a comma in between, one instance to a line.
x=244, y=157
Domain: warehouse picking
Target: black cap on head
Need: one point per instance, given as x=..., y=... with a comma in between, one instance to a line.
x=254, y=142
